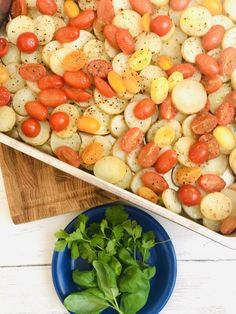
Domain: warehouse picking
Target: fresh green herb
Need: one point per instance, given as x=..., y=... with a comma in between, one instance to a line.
x=85, y=279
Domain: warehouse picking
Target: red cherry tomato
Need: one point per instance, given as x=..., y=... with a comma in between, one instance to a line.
x=68, y=155
x=213, y=38
x=48, y=7
x=203, y=123
x=30, y=127
x=213, y=146
x=84, y=20
x=59, y=121
x=189, y=195
x=36, y=110
x=105, y=11
x=186, y=69
x=77, y=79
x=125, y=41
x=207, y=64
x=67, y=34
x=52, y=97
x=131, y=140
x=155, y=182
x=161, y=25
x=166, y=161
x=19, y=7
x=27, y=42
x=142, y=7
x=211, y=84
x=99, y=68
x=103, y=87
x=211, y=183
x=225, y=113
x=167, y=109
x=4, y=47
x=51, y=81
x=179, y=5
x=227, y=61
x=32, y=71
x=109, y=32
x=76, y=94
x=198, y=152
x=144, y=109
x=5, y=96
x=148, y=155
x=231, y=98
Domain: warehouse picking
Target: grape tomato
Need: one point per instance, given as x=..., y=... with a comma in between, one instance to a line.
x=144, y=109
x=84, y=20
x=131, y=140
x=36, y=110
x=68, y=155
x=51, y=81
x=189, y=195
x=59, y=121
x=155, y=182
x=4, y=46
x=211, y=183
x=67, y=34
x=148, y=155
x=166, y=161
x=52, y=97
x=5, y=96
x=48, y=7
x=32, y=72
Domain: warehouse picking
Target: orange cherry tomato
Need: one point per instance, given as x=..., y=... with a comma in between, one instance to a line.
x=213, y=146
x=142, y=7
x=59, y=121
x=84, y=20
x=227, y=61
x=88, y=125
x=30, y=127
x=68, y=155
x=213, y=38
x=5, y=96
x=189, y=195
x=67, y=34
x=92, y=153
x=131, y=140
x=52, y=97
x=207, y=64
x=166, y=161
x=225, y=113
x=48, y=7
x=148, y=155
x=144, y=109
x=36, y=110
x=32, y=71
x=155, y=182
x=211, y=183
x=179, y=5
x=74, y=61
x=198, y=152
x=103, y=87
x=4, y=47
x=99, y=68
x=203, y=123
x=19, y=7
x=77, y=79
x=186, y=69
x=77, y=94
x=167, y=109
x=27, y=42
x=161, y=25
x=211, y=84
x=231, y=98
x=105, y=11
x=51, y=81
x=125, y=41
x=109, y=32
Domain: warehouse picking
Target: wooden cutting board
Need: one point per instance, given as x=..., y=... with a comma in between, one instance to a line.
x=36, y=190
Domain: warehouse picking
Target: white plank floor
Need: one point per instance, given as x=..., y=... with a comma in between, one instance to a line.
x=206, y=271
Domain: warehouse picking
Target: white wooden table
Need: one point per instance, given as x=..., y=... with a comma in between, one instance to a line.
x=206, y=281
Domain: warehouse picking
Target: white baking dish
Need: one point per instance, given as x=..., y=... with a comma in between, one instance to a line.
x=229, y=241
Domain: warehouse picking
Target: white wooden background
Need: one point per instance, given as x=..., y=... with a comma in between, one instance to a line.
x=206, y=281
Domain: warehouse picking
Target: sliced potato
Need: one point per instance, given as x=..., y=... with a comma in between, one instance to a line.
x=31, y=3
x=111, y=52
x=35, y=57
x=7, y=118
x=175, y=16
x=117, y=151
x=15, y=81
x=41, y=138
x=12, y=56
x=179, y=36
x=118, y=126
x=33, y=13
x=79, y=43
x=103, y=118
x=170, y=48
x=186, y=126
x=137, y=183
x=230, y=8
x=192, y=47
x=33, y=86
x=213, y=225
x=182, y=147
x=21, y=97
x=169, y=35
x=216, y=166
x=132, y=161
x=193, y=211
x=58, y=22
x=197, y=76
x=215, y=53
x=232, y=161
x=44, y=29
x=17, y=26
x=46, y=148
x=222, y=20
x=95, y=49
x=49, y=49
x=148, y=75
x=87, y=4
x=148, y=40
x=217, y=97
x=104, y=141
x=232, y=195
x=125, y=182
x=120, y=63
x=120, y=5
x=73, y=142
x=134, y=122
x=56, y=59
x=229, y=39
x=110, y=106
x=130, y=20
x=171, y=202
x=173, y=124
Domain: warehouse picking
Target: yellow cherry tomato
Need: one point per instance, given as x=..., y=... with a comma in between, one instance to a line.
x=140, y=59
x=116, y=82
x=174, y=79
x=164, y=136
x=132, y=81
x=214, y=6
x=71, y=9
x=159, y=90
x=146, y=22
x=92, y=153
x=88, y=125
x=4, y=75
x=225, y=138
x=164, y=62
x=148, y=194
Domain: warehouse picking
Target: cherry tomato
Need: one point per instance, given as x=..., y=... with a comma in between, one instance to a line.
x=203, y=123
x=148, y=155
x=131, y=140
x=161, y=25
x=27, y=42
x=142, y=7
x=211, y=183
x=211, y=84
x=59, y=121
x=99, y=68
x=125, y=41
x=32, y=71
x=144, y=109
x=30, y=127
x=19, y=7
x=77, y=79
x=179, y=5
x=103, y=87
x=225, y=113
x=166, y=161
x=109, y=32
x=186, y=69
x=76, y=94
x=51, y=81
x=105, y=11
x=167, y=109
x=68, y=155
x=52, y=97
x=36, y=110
x=227, y=61
x=88, y=125
x=155, y=182
x=231, y=98
x=207, y=64
x=84, y=20
x=4, y=47
x=5, y=96
x=213, y=38
x=189, y=195
x=48, y=7
x=198, y=152
x=67, y=34
x=213, y=146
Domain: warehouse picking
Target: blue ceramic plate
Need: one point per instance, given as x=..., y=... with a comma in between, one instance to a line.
x=162, y=256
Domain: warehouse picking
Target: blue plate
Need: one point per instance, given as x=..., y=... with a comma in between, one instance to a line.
x=162, y=256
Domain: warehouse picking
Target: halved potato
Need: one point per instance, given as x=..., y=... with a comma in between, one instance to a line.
x=15, y=81
x=148, y=40
x=7, y=118
x=21, y=97
x=103, y=118
x=171, y=202
x=110, y=106
x=137, y=183
x=56, y=58
x=49, y=49
x=95, y=49
x=44, y=28
x=17, y=26
x=132, y=161
x=134, y=122
x=193, y=211
x=192, y=47
x=79, y=43
x=148, y=75
x=12, y=56
x=120, y=63
x=73, y=142
x=216, y=166
x=182, y=147
x=118, y=126
x=117, y=151
x=229, y=39
x=222, y=20
x=125, y=182
x=129, y=19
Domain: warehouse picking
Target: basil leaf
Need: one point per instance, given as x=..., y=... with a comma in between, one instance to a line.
x=150, y=272
x=133, y=280
x=95, y=291
x=131, y=303
x=85, y=279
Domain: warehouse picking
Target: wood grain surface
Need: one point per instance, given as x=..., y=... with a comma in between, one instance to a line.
x=36, y=190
